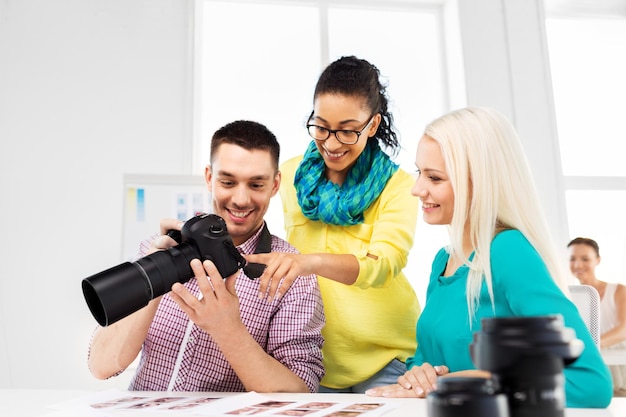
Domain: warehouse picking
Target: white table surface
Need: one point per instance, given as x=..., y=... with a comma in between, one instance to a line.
x=34, y=403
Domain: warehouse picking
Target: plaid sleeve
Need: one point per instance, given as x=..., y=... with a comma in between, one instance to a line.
x=295, y=337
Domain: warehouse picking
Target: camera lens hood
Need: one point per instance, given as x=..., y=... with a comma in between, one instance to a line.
x=503, y=340
x=116, y=292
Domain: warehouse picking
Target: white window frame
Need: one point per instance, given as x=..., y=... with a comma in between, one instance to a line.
x=446, y=10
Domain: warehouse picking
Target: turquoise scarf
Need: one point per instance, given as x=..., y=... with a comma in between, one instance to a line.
x=343, y=205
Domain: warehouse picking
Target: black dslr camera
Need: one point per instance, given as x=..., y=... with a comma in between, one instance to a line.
x=525, y=356
x=119, y=291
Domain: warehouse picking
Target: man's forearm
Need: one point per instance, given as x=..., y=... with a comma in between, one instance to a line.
x=113, y=348
x=257, y=370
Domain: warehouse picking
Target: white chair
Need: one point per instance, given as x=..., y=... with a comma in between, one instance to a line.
x=587, y=300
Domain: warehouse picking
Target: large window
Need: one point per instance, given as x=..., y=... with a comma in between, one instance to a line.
x=260, y=60
x=587, y=46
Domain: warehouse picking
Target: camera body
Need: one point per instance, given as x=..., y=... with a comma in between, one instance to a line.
x=208, y=235
x=526, y=357
x=123, y=289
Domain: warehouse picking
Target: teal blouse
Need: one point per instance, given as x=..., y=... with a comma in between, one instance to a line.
x=522, y=286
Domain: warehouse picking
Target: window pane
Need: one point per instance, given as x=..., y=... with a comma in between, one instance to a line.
x=408, y=54
x=588, y=63
x=588, y=60
x=599, y=215
x=259, y=62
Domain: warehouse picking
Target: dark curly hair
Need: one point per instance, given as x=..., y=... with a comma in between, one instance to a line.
x=351, y=76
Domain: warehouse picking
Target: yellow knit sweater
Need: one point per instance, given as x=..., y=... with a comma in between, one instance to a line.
x=372, y=322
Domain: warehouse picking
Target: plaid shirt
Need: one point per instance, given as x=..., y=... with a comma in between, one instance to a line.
x=179, y=356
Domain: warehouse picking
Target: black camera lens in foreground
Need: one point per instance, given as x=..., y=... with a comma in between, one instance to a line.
x=119, y=291
x=526, y=356
x=466, y=397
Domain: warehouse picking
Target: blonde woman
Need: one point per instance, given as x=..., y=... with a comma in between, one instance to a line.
x=473, y=177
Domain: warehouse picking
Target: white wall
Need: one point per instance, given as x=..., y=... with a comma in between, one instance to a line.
x=89, y=90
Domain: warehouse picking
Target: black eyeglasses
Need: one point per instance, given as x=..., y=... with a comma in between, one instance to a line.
x=347, y=137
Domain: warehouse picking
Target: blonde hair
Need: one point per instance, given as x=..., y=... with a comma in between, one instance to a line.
x=493, y=189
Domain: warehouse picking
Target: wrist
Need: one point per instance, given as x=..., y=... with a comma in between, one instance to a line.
x=229, y=335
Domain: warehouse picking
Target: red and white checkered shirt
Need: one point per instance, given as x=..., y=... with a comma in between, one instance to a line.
x=179, y=356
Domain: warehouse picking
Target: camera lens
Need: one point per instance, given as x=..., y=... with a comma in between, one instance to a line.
x=526, y=356
x=104, y=295
x=465, y=397
x=119, y=291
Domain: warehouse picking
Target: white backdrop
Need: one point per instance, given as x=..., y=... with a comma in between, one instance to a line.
x=89, y=90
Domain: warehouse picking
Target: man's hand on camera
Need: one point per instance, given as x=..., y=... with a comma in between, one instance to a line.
x=217, y=310
x=164, y=242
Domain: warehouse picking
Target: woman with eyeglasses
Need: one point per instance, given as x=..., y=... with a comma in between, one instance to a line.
x=348, y=210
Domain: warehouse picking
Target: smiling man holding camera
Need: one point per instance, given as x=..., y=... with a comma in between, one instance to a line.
x=214, y=334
